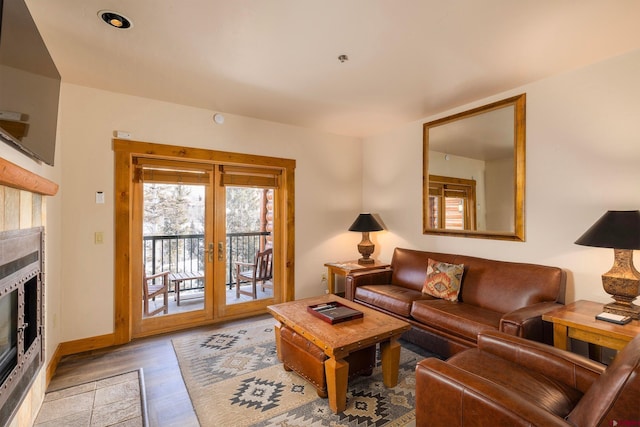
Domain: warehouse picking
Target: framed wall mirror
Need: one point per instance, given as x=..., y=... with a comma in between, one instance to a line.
x=474, y=172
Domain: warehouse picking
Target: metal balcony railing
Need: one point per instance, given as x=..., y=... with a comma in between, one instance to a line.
x=186, y=253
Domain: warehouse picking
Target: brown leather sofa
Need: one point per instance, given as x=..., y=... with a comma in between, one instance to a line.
x=495, y=295
x=510, y=381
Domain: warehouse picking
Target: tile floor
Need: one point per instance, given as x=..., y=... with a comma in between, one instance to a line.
x=113, y=401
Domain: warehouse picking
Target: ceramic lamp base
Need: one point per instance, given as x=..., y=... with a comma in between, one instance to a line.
x=622, y=282
x=630, y=310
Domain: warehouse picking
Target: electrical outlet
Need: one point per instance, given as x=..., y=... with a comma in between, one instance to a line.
x=324, y=283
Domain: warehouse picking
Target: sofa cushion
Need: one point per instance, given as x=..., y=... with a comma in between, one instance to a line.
x=395, y=299
x=458, y=318
x=549, y=394
x=506, y=286
x=443, y=280
x=409, y=266
x=495, y=285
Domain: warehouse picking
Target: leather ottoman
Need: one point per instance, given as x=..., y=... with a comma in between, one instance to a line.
x=307, y=359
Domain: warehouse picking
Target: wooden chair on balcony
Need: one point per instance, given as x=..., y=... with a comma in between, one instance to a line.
x=261, y=270
x=153, y=286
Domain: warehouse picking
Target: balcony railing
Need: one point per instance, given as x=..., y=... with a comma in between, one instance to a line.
x=186, y=252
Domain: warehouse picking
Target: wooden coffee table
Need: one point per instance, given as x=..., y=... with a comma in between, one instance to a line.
x=340, y=339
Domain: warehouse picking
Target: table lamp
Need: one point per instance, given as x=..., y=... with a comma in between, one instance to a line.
x=619, y=230
x=365, y=223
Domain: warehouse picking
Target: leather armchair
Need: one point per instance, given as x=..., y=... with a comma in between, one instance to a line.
x=512, y=381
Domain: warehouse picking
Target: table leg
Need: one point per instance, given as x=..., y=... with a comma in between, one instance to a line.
x=176, y=291
x=331, y=280
x=337, y=373
x=390, y=355
x=276, y=330
x=560, y=338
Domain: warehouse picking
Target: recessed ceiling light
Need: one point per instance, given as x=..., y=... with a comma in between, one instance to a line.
x=218, y=118
x=115, y=19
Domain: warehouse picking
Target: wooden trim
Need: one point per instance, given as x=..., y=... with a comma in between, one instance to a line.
x=53, y=365
x=77, y=346
x=125, y=153
x=172, y=152
x=87, y=344
x=518, y=234
x=123, y=274
x=14, y=176
x=289, y=236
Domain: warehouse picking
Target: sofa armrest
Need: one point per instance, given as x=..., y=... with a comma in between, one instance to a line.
x=449, y=396
x=569, y=368
x=367, y=277
x=527, y=321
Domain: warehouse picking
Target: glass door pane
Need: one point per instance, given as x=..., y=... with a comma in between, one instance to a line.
x=174, y=247
x=249, y=227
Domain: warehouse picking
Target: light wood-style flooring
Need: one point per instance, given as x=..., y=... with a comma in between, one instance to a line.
x=168, y=401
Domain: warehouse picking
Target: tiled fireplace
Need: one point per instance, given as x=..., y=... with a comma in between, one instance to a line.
x=22, y=219
x=21, y=315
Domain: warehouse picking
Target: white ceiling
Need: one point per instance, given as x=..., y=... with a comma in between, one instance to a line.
x=277, y=59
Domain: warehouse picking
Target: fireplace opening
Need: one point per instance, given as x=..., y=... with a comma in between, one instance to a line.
x=21, y=316
x=8, y=334
x=31, y=312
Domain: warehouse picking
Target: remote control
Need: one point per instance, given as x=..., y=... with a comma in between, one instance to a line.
x=613, y=318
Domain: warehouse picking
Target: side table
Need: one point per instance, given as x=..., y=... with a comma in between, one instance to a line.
x=578, y=320
x=346, y=267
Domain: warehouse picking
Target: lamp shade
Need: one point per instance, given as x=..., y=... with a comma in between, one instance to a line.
x=615, y=229
x=365, y=222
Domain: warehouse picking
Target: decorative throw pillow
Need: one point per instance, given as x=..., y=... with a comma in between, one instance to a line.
x=443, y=280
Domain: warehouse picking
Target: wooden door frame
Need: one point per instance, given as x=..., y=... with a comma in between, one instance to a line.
x=125, y=152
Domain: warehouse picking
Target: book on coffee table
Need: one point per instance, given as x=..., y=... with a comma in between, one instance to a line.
x=334, y=312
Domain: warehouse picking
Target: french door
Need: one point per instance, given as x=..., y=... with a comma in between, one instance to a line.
x=249, y=199
x=173, y=234
x=199, y=228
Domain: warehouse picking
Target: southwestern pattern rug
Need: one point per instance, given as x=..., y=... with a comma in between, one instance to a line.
x=234, y=378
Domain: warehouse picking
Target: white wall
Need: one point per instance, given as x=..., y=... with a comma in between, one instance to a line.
x=327, y=189
x=583, y=158
x=500, y=195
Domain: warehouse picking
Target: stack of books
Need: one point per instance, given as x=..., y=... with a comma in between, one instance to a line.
x=334, y=312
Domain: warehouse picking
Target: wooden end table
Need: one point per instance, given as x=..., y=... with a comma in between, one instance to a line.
x=577, y=320
x=345, y=267
x=340, y=339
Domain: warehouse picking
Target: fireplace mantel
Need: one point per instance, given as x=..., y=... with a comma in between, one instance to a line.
x=14, y=176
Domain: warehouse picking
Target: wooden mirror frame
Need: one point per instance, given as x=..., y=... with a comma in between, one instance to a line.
x=519, y=123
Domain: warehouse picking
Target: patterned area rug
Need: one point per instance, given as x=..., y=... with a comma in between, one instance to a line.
x=235, y=378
